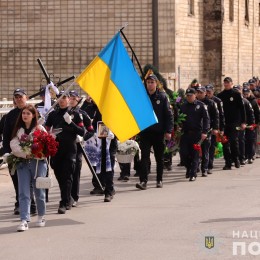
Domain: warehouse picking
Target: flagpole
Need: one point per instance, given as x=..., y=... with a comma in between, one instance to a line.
x=138, y=63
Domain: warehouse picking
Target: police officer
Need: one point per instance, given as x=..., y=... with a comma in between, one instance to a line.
x=210, y=95
x=63, y=163
x=154, y=135
x=20, y=99
x=194, y=130
x=73, y=103
x=235, y=116
x=250, y=119
x=251, y=133
x=214, y=125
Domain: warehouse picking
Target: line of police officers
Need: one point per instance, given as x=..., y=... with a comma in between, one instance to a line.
x=206, y=116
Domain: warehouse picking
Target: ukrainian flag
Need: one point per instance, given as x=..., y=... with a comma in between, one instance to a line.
x=113, y=83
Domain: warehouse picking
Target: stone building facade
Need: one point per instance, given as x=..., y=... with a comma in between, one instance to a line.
x=186, y=38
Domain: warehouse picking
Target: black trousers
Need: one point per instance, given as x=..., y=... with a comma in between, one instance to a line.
x=76, y=175
x=241, y=145
x=231, y=148
x=148, y=140
x=125, y=169
x=189, y=155
x=64, y=165
x=205, y=154
x=250, y=143
x=212, y=151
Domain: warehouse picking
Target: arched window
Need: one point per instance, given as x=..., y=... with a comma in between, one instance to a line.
x=191, y=7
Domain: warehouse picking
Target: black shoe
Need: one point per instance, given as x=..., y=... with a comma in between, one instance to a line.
x=108, y=198
x=120, y=178
x=96, y=191
x=210, y=171
x=68, y=207
x=62, y=209
x=242, y=162
x=169, y=168
x=250, y=161
x=237, y=164
x=159, y=184
x=141, y=186
x=180, y=164
x=136, y=174
x=16, y=210
x=192, y=178
x=126, y=178
x=227, y=168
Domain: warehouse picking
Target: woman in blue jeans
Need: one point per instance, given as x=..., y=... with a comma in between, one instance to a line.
x=26, y=124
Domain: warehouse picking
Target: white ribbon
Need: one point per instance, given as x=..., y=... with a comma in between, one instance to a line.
x=47, y=101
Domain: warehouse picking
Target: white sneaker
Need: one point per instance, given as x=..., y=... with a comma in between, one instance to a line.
x=40, y=222
x=23, y=226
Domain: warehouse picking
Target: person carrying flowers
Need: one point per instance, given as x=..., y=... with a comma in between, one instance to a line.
x=22, y=146
x=194, y=129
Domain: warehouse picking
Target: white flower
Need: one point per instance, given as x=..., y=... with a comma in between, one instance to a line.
x=128, y=147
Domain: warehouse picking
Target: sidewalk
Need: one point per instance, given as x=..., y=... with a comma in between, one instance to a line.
x=169, y=223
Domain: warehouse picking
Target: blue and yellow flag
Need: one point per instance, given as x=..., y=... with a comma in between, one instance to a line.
x=113, y=83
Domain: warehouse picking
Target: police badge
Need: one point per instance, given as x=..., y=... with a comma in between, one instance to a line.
x=209, y=242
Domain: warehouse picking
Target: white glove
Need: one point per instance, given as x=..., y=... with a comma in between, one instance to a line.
x=79, y=139
x=67, y=118
x=41, y=121
x=5, y=157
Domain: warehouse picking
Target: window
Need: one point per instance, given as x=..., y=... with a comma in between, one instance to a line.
x=246, y=12
x=259, y=13
x=191, y=7
x=231, y=10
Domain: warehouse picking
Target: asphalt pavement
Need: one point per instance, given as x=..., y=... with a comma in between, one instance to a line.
x=215, y=217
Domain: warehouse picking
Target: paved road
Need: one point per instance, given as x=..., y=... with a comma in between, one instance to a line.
x=168, y=223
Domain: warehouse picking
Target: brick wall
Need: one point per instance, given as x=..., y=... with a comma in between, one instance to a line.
x=66, y=35
x=240, y=42
x=188, y=41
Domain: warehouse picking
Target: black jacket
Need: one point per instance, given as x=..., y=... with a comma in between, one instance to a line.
x=250, y=118
x=233, y=107
x=67, y=138
x=255, y=107
x=9, y=125
x=197, y=118
x=213, y=113
x=163, y=112
x=219, y=103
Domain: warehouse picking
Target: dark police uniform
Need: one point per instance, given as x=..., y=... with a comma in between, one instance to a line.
x=78, y=166
x=213, y=137
x=214, y=125
x=250, y=135
x=197, y=122
x=153, y=136
x=63, y=163
x=234, y=113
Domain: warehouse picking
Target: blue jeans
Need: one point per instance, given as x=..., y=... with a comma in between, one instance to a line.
x=26, y=173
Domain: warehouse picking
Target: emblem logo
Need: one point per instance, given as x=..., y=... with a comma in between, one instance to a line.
x=158, y=102
x=209, y=242
x=231, y=99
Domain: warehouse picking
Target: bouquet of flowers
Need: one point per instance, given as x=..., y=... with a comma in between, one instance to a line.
x=128, y=147
x=221, y=138
x=250, y=127
x=127, y=150
x=37, y=145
